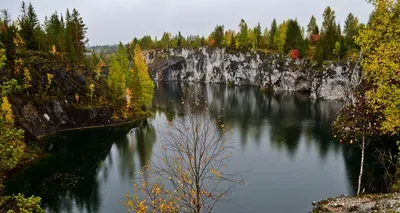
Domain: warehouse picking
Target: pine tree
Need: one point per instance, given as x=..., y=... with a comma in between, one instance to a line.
x=272, y=33
x=179, y=40
x=146, y=42
x=55, y=31
x=79, y=37
x=264, y=39
x=329, y=37
x=30, y=28
x=8, y=32
x=257, y=35
x=218, y=35
x=165, y=40
x=294, y=36
x=351, y=28
x=243, y=36
x=312, y=27
x=69, y=39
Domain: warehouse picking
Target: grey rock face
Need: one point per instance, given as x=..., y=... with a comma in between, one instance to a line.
x=270, y=71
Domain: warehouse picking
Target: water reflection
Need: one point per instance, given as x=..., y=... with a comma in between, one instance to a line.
x=80, y=161
x=284, y=142
x=287, y=116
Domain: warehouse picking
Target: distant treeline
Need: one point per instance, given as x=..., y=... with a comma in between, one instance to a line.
x=325, y=42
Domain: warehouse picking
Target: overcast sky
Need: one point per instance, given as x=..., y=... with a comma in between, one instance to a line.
x=111, y=21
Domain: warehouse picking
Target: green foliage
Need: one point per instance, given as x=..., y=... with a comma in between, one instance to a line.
x=20, y=204
x=329, y=36
x=30, y=26
x=243, y=36
x=179, y=40
x=337, y=50
x=280, y=36
x=218, y=35
x=257, y=40
x=166, y=40
x=146, y=42
x=12, y=148
x=272, y=32
x=75, y=40
x=312, y=27
x=142, y=85
x=3, y=57
x=294, y=38
x=351, y=29
x=55, y=31
x=11, y=139
x=9, y=87
x=118, y=74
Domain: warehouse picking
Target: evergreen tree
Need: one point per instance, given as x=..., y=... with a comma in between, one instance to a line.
x=179, y=40
x=257, y=35
x=272, y=33
x=69, y=37
x=55, y=32
x=79, y=37
x=117, y=76
x=264, y=39
x=252, y=39
x=312, y=27
x=29, y=26
x=351, y=28
x=280, y=36
x=294, y=36
x=329, y=36
x=146, y=42
x=8, y=32
x=166, y=40
x=233, y=46
x=243, y=36
x=218, y=35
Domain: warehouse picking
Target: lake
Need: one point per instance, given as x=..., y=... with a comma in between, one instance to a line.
x=284, y=147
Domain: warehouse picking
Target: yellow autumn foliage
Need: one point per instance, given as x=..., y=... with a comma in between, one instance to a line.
x=6, y=110
x=143, y=85
x=380, y=43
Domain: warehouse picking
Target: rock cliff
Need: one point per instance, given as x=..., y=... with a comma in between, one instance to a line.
x=59, y=98
x=269, y=71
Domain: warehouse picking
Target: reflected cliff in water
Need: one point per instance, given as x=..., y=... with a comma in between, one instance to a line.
x=287, y=116
x=284, y=146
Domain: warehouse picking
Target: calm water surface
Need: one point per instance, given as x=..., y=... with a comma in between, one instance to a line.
x=284, y=148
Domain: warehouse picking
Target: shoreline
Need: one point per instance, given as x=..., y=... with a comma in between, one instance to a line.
x=40, y=137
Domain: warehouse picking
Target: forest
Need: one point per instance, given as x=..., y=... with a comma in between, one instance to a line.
x=33, y=53
x=319, y=43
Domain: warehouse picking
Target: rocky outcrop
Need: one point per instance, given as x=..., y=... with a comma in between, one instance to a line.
x=59, y=98
x=362, y=204
x=270, y=71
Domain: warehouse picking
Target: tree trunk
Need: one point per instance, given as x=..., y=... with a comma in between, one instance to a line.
x=362, y=165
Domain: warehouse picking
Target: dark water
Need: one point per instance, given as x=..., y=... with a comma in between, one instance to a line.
x=284, y=148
